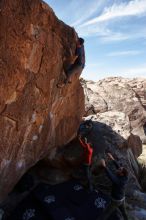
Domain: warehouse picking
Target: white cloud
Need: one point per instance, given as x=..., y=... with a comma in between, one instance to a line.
x=113, y=36
x=124, y=53
x=107, y=35
x=129, y=35
x=87, y=9
x=137, y=71
x=94, y=30
x=105, y=27
x=133, y=8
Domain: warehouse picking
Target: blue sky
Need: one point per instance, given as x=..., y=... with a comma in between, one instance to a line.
x=114, y=33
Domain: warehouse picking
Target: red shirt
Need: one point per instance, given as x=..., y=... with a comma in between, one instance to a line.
x=88, y=151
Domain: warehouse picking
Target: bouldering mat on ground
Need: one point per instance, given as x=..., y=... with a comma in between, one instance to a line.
x=63, y=213
x=65, y=201
x=71, y=191
x=29, y=208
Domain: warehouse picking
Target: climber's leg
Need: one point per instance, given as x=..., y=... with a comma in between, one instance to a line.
x=108, y=211
x=87, y=173
x=112, y=207
x=123, y=210
x=73, y=69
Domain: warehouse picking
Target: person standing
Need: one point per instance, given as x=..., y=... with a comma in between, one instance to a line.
x=87, y=160
x=119, y=180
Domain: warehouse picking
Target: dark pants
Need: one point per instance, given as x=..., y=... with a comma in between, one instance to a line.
x=73, y=69
x=112, y=207
x=87, y=173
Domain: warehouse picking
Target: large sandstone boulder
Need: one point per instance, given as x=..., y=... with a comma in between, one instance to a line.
x=35, y=116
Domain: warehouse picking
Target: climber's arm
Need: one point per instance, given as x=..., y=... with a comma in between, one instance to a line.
x=84, y=145
x=77, y=53
x=74, y=59
x=111, y=176
x=110, y=156
x=109, y=173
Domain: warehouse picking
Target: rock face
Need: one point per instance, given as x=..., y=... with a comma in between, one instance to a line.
x=116, y=103
x=34, y=113
x=119, y=95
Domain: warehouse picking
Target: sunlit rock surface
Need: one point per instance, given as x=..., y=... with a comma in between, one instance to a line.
x=35, y=116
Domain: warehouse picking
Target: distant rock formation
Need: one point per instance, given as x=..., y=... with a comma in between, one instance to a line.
x=35, y=116
x=116, y=103
x=120, y=95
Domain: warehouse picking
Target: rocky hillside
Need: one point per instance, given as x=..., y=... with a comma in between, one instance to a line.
x=117, y=107
x=139, y=86
x=115, y=104
x=35, y=116
x=121, y=97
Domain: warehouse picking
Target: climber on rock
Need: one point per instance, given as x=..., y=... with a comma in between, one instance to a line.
x=85, y=128
x=119, y=180
x=88, y=151
x=78, y=63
